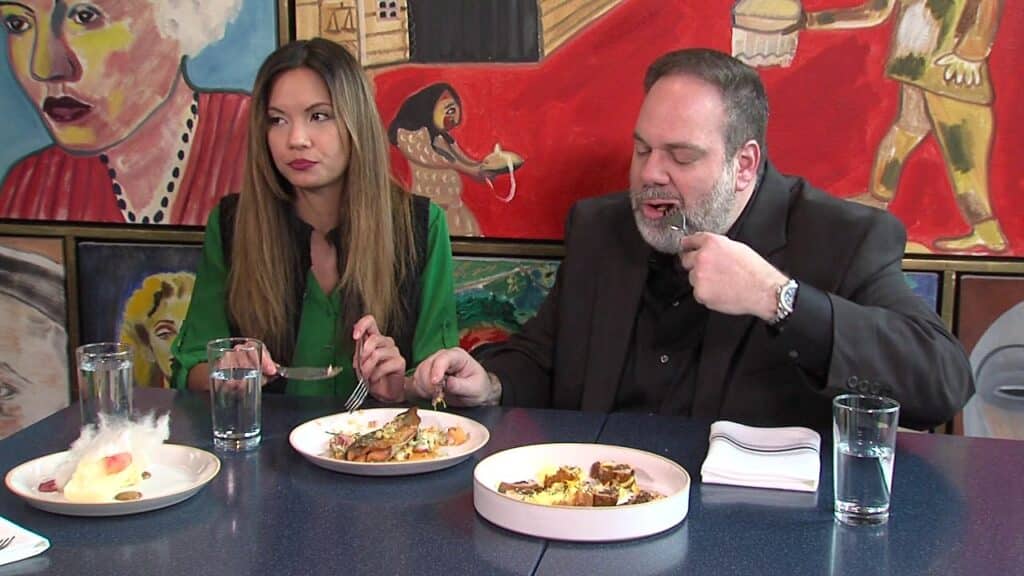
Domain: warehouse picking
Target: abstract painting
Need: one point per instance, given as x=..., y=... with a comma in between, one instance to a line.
x=494, y=297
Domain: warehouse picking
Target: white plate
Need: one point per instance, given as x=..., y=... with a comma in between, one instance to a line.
x=177, y=472
x=310, y=439
x=581, y=524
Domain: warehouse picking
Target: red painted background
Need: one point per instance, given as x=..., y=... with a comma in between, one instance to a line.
x=571, y=117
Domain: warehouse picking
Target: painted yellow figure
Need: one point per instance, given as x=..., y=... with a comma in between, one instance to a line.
x=151, y=320
x=939, y=56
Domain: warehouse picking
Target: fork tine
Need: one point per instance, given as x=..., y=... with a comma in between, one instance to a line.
x=354, y=401
x=358, y=396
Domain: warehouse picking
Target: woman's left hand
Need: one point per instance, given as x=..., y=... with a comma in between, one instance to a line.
x=379, y=361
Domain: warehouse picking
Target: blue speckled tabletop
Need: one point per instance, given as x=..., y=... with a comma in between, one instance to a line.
x=958, y=508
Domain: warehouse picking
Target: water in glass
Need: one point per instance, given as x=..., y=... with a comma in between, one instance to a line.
x=235, y=393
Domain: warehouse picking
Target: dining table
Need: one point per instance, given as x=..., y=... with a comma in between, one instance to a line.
x=957, y=508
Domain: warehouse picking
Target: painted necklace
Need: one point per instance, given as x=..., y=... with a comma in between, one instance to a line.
x=157, y=211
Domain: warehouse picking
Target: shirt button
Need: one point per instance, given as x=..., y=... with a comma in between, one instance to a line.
x=675, y=304
x=664, y=359
x=794, y=354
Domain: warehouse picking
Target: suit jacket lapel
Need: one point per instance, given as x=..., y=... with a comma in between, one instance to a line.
x=764, y=229
x=616, y=302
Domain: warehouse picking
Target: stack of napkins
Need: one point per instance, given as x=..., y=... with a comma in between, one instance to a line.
x=780, y=458
x=24, y=544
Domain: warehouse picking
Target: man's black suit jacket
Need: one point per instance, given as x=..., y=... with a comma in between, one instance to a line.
x=885, y=340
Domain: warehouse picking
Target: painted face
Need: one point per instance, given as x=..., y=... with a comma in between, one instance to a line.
x=33, y=366
x=679, y=162
x=308, y=145
x=95, y=70
x=447, y=112
x=163, y=327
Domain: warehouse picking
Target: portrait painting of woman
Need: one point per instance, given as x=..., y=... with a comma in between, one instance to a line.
x=133, y=139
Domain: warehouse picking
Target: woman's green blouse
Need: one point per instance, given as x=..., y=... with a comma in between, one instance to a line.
x=317, y=343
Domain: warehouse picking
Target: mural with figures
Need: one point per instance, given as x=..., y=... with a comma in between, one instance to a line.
x=34, y=380
x=894, y=103
x=128, y=111
x=141, y=302
x=494, y=297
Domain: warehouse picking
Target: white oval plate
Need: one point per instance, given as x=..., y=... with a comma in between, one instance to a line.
x=310, y=439
x=177, y=472
x=581, y=524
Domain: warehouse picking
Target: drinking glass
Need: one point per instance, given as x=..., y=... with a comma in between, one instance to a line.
x=104, y=381
x=235, y=392
x=864, y=442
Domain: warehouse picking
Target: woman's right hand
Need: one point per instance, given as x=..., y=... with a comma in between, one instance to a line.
x=242, y=357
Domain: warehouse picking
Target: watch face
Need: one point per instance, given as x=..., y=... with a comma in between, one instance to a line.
x=789, y=296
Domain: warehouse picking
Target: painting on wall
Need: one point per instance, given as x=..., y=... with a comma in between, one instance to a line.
x=142, y=301
x=494, y=297
x=127, y=112
x=990, y=324
x=34, y=380
x=911, y=92
x=925, y=285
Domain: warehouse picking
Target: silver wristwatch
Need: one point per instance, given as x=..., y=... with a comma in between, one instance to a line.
x=785, y=300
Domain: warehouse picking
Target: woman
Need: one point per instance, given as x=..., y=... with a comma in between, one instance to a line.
x=134, y=140
x=321, y=250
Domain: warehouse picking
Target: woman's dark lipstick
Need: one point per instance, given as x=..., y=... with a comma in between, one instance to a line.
x=65, y=108
x=301, y=164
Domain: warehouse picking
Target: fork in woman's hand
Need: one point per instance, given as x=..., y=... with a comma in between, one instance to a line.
x=355, y=400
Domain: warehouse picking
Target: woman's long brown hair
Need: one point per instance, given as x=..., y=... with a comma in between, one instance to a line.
x=375, y=219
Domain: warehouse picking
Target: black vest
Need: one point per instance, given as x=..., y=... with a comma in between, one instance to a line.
x=409, y=291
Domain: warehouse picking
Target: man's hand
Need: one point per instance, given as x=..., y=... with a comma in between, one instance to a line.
x=467, y=383
x=729, y=277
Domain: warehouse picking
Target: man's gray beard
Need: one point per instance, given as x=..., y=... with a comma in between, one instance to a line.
x=710, y=215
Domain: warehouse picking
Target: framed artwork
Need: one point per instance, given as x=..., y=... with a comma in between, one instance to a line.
x=494, y=297
x=129, y=112
x=536, y=102
x=925, y=285
x=141, y=301
x=990, y=324
x=34, y=374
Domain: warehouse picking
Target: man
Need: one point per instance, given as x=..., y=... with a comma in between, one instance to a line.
x=774, y=298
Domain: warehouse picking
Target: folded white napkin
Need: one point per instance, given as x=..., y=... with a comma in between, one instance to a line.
x=780, y=458
x=25, y=544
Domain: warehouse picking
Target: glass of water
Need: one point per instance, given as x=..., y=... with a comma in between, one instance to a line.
x=864, y=442
x=235, y=383
x=104, y=381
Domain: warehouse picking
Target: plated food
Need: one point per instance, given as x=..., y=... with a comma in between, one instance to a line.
x=399, y=440
x=175, y=473
x=388, y=441
x=118, y=467
x=609, y=484
x=542, y=490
